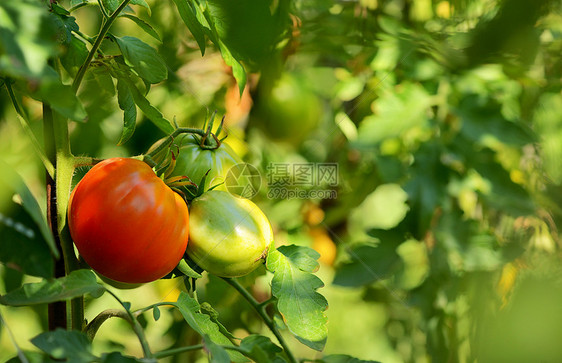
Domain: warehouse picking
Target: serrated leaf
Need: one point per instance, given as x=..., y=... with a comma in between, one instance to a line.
x=260, y=348
x=127, y=104
x=188, y=13
x=143, y=58
x=76, y=284
x=150, y=111
x=202, y=324
x=294, y=286
x=11, y=183
x=71, y=346
x=143, y=25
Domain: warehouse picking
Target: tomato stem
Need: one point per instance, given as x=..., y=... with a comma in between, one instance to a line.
x=260, y=309
x=137, y=328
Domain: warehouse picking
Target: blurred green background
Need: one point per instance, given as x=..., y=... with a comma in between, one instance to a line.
x=444, y=119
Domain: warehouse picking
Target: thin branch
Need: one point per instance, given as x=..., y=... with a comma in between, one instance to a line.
x=260, y=309
x=103, y=31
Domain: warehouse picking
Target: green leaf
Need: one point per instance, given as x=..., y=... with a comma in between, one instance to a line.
x=342, y=358
x=112, y=5
x=294, y=286
x=482, y=121
x=74, y=56
x=76, y=284
x=202, y=323
x=116, y=357
x=384, y=208
x=127, y=104
x=238, y=70
x=11, y=183
x=396, y=111
x=548, y=124
x=143, y=25
x=368, y=264
x=218, y=353
x=187, y=270
x=72, y=346
x=150, y=111
x=97, y=94
x=156, y=313
x=260, y=348
x=188, y=13
x=143, y=58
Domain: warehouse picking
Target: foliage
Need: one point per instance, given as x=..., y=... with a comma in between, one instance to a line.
x=437, y=239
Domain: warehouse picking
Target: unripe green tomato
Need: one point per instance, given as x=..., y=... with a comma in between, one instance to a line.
x=193, y=161
x=289, y=112
x=229, y=236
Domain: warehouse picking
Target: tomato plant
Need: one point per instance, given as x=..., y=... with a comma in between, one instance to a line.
x=126, y=223
x=229, y=236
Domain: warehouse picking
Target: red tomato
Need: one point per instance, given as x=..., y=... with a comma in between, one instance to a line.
x=126, y=223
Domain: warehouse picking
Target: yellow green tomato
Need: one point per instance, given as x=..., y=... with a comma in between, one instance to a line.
x=229, y=236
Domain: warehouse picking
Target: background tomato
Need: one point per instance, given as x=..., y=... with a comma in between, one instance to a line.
x=229, y=236
x=126, y=223
x=287, y=111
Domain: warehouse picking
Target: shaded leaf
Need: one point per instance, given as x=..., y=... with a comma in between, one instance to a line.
x=156, y=313
x=143, y=25
x=74, y=56
x=188, y=13
x=143, y=58
x=150, y=111
x=11, y=183
x=76, y=284
x=97, y=94
x=116, y=357
x=368, y=264
x=260, y=348
x=72, y=346
x=294, y=285
x=218, y=353
x=127, y=104
x=112, y=5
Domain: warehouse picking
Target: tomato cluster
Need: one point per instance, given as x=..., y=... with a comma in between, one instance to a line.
x=130, y=227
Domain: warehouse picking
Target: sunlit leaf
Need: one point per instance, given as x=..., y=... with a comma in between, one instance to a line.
x=188, y=13
x=260, y=348
x=294, y=285
x=76, y=284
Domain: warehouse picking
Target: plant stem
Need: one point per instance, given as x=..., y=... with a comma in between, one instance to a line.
x=27, y=129
x=93, y=327
x=137, y=328
x=103, y=31
x=260, y=309
x=58, y=310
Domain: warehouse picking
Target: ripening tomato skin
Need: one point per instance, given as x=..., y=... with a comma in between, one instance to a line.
x=126, y=223
x=229, y=236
